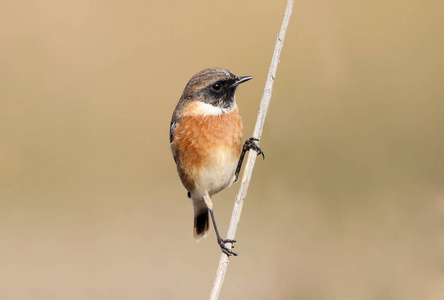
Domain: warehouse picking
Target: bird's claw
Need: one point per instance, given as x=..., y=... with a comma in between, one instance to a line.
x=250, y=144
x=225, y=249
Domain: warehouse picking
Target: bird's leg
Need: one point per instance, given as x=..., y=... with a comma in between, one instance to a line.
x=220, y=241
x=250, y=144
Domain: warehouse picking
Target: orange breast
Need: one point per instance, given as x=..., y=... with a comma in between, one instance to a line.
x=207, y=143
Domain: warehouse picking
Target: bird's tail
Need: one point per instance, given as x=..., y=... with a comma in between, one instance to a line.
x=201, y=219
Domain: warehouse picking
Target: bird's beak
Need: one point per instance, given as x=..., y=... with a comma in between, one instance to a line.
x=241, y=80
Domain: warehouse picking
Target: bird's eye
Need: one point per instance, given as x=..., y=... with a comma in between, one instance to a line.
x=216, y=87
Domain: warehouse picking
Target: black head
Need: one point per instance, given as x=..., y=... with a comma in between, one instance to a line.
x=214, y=86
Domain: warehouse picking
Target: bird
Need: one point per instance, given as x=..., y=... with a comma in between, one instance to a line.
x=206, y=132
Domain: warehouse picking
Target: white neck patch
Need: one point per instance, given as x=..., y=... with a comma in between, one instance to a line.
x=208, y=109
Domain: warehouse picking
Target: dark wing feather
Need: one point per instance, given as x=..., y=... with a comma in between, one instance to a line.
x=173, y=126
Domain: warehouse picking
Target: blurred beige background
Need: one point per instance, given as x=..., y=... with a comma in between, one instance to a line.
x=349, y=203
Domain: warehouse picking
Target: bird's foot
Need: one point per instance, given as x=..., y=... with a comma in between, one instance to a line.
x=224, y=248
x=250, y=144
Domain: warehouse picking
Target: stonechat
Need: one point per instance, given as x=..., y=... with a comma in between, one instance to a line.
x=206, y=140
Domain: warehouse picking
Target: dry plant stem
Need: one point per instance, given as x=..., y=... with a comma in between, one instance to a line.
x=246, y=177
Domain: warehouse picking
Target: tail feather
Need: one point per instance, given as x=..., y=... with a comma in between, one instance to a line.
x=201, y=220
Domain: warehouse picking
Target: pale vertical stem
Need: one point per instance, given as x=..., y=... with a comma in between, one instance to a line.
x=251, y=159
